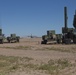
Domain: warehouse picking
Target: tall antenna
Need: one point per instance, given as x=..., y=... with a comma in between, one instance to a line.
x=0, y=22
x=75, y=12
x=65, y=17
x=74, y=20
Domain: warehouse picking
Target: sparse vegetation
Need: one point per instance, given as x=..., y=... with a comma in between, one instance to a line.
x=11, y=64
x=18, y=47
x=39, y=64
x=53, y=67
x=61, y=49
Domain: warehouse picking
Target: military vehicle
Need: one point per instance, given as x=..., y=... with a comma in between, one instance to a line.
x=2, y=37
x=51, y=37
x=13, y=38
x=69, y=34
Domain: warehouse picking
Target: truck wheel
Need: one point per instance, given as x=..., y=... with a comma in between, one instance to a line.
x=9, y=41
x=58, y=41
x=1, y=41
x=74, y=40
x=17, y=40
x=44, y=42
x=67, y=41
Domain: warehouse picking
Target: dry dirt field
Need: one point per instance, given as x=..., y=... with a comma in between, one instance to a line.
x=29, y=57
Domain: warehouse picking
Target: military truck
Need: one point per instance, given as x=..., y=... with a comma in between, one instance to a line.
x=51, y=37
x=2, y=37
x=69, y=34
x=13, y=38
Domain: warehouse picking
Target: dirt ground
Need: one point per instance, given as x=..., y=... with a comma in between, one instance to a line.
x=32, y=48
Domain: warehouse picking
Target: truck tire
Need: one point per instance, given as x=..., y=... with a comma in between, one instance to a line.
x=74, y=40
x=58, y=41
x=9, y=41
x=17, y=39
x=44, y=42
x=67, y=41
x=1, y=41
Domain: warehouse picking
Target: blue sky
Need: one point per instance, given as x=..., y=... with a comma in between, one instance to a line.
x=26, y=17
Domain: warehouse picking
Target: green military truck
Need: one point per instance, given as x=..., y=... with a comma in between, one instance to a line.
x=2, y=37
x=13, y=38
x=51, y=37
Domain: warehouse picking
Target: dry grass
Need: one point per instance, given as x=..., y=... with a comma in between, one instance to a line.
x=18, y=47
x=61, y=49
x=11, y=64
x=53, y=67
x=30, y=54
x=55, y=48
